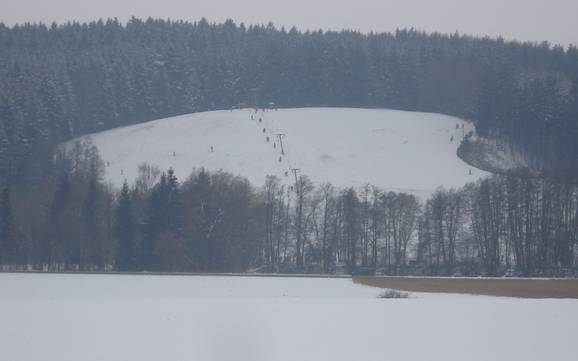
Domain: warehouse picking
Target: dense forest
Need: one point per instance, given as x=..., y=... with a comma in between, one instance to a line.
x=61, y=81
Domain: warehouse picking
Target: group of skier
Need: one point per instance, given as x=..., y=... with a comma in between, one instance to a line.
x=267, y=137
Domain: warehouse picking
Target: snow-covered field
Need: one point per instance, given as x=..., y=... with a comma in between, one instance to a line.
x=395, y=150
x=112, y=317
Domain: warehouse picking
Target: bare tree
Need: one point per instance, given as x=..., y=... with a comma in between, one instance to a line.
x=303, y=187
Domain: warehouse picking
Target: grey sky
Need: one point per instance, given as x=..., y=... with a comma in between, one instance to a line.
x=534, y=20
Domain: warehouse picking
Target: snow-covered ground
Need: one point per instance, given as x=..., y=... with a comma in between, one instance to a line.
x=395, y=150
x=112, y=317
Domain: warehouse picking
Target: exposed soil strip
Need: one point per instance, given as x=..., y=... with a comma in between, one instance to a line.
x=507, y=287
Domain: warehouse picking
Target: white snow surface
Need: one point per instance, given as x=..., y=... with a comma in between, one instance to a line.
x=150, y=318
x=395, y=150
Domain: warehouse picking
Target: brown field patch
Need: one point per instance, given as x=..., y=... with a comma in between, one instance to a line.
x=506, y=287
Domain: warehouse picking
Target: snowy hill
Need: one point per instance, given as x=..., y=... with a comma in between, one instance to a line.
x=396, y=150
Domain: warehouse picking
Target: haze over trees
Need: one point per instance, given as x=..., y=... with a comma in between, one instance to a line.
x=59, y=82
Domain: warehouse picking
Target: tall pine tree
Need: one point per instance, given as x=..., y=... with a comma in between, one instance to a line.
x=124, y=232
x=7, y=248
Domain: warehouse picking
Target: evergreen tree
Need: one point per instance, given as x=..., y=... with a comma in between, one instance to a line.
x=89, y=251
x=7, y=246
x=127, y=251
x=155, y=223
x=164, y=222
x=51, y=251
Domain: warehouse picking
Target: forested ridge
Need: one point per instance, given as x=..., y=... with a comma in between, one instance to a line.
x=62, y=81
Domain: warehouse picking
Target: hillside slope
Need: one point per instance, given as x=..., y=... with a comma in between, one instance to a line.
x=396, y=150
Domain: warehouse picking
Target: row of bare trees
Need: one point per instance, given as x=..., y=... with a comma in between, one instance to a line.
x=501, y=225
x=220, y=222
x=322, y=227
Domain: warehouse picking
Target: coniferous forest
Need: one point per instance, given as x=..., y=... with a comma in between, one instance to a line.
x=61, y=81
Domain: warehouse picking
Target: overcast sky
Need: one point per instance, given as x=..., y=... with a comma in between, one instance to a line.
x=534, y=20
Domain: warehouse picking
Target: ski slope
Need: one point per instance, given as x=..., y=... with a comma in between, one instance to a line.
x=54, y=317
x=395, y=150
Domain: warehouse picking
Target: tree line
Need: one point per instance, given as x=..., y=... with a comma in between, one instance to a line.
x=61, y=81
x=218, y=222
